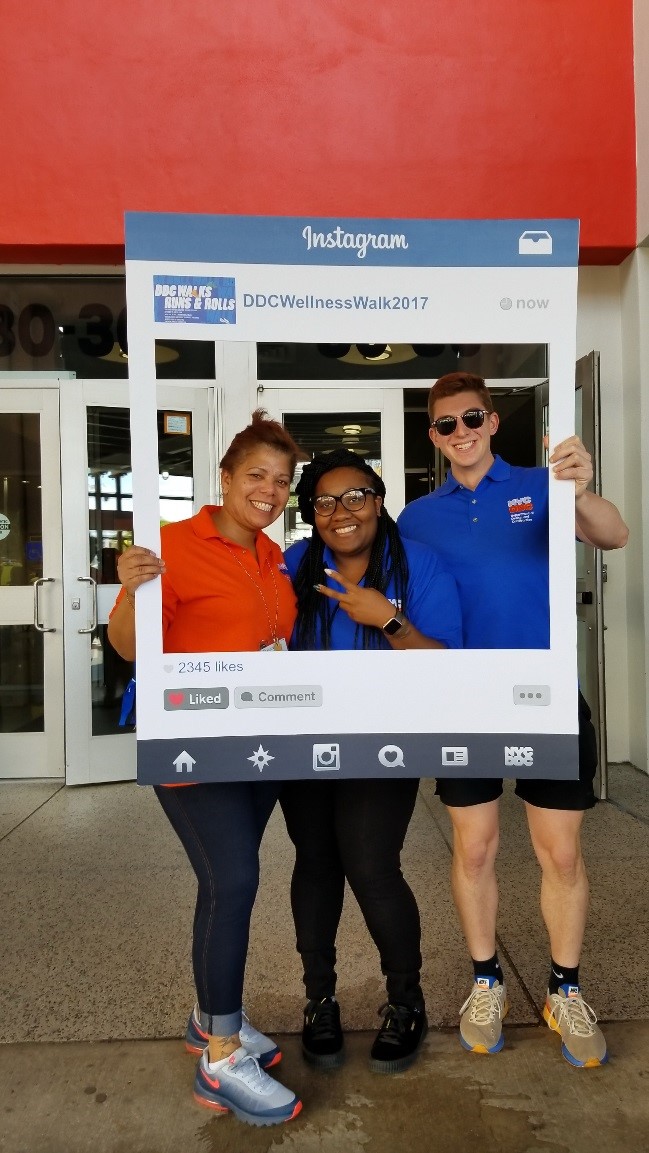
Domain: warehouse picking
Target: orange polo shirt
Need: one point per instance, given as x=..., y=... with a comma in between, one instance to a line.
x=215, y=596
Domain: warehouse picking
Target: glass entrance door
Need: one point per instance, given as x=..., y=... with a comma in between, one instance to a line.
x=31, y=639
x=97, y=525
x=369, y=421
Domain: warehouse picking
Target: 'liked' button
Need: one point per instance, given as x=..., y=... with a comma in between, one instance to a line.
x=187, y=699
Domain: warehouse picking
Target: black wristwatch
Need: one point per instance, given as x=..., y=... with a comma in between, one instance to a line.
x=395, y=624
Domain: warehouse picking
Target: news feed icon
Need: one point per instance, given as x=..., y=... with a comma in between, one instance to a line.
x=456, y=755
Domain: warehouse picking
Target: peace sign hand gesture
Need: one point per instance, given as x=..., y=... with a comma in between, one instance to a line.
x=363, y=606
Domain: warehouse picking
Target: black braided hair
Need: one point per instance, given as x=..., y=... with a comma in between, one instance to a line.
x=315, y=611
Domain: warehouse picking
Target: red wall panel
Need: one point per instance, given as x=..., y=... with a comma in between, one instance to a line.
x=389, y=108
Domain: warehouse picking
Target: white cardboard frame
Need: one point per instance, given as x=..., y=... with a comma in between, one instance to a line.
x=466, y=282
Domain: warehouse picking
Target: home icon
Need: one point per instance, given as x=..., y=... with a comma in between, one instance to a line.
x=184, y=761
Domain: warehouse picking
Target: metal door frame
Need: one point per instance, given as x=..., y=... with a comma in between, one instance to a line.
x=590, y=585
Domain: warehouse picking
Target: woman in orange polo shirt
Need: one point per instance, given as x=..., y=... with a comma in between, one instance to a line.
x=224, y=588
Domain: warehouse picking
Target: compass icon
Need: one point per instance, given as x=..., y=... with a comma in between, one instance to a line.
x=261, y=759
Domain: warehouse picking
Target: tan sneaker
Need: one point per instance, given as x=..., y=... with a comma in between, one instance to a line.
x=481, y=1016
x=583, y=1042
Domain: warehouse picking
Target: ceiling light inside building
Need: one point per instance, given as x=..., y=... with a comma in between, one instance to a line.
x=352, y=429
x=398, y=353
x=375, y=351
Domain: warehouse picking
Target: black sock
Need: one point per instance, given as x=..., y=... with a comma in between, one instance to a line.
x=490, y=968
x=562, y=975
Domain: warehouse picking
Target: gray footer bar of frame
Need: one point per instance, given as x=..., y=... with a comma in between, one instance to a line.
x=262, y=757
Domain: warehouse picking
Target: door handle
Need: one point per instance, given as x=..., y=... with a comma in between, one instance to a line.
x=93, y=584
x=38, y=624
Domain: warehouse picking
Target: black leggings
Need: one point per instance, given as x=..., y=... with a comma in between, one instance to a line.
x=355, y=830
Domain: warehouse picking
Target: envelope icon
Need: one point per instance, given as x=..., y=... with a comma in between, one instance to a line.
x=535, y=244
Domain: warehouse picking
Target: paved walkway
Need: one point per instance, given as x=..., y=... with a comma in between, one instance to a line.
x=95, y=987
x=135, y=1097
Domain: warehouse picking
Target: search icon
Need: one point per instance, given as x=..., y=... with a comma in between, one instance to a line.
x=391, y=757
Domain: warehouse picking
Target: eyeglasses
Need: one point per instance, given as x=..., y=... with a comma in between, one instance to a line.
x=472, y=418
x=353, y=500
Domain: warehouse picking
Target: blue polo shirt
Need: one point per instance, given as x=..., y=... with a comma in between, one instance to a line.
x=495, y=542
x=432, y=602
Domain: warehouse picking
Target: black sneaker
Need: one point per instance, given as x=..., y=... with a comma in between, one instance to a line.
x=398, y=1039
x=322, y=1036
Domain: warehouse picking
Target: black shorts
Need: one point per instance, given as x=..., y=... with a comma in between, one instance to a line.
x=461, y=792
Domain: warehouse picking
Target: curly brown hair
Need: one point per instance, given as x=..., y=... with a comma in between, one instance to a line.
x=261, y=431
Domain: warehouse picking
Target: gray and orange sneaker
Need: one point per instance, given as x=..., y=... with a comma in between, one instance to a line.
x=481, y=1016
x=237, y=1084
x=582, y=1040
x=256, y=1043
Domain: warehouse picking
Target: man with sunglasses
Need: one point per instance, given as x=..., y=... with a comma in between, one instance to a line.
x=489, y=524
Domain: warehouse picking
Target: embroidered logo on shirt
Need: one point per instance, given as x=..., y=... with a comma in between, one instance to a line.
x=520, y=509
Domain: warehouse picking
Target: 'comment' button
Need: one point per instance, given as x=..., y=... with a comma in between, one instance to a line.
x=278, y=697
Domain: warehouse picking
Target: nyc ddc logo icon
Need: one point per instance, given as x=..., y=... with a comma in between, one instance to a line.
x=519, y=755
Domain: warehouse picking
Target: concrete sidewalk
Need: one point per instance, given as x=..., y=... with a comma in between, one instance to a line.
x=135, y=1097
x=95, y=987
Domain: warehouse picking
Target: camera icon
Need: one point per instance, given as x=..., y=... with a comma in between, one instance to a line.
x=326, y=758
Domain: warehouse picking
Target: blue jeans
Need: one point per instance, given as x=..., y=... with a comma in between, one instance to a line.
x=220, y=826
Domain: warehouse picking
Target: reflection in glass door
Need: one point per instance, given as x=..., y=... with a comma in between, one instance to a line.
x=110, y=532
x=98, y=522
x=31, y=647
x=522, y=410
x=21, y=566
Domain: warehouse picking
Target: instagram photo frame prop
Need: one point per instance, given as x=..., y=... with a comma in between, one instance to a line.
x=254, y=715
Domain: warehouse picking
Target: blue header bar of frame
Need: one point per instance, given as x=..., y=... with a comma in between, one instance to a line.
x=275, y=240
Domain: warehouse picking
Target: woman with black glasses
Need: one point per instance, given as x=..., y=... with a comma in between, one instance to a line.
x=359, y=586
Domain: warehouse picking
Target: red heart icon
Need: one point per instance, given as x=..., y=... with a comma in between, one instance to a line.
x=175, y=698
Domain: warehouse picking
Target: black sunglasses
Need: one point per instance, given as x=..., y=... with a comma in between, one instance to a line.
x=472, y=418
x=353, y=500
